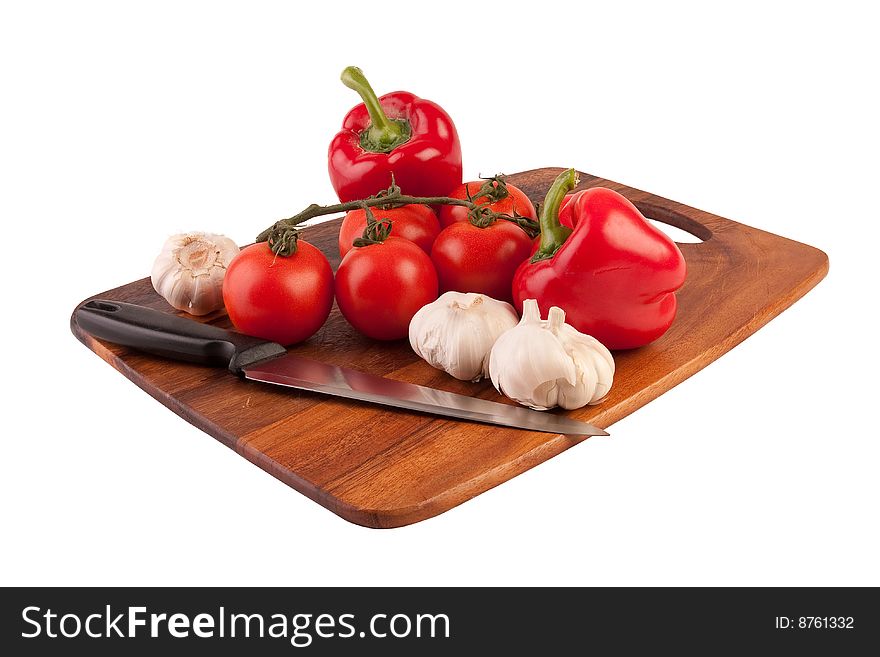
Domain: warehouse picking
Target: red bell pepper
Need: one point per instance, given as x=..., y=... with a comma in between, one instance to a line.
x=612, y=272
x=399, y=134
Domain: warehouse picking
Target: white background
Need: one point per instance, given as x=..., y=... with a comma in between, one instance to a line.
x=125, y=122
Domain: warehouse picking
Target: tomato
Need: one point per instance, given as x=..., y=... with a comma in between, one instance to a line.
x=515, y=202
x=416, y=223
x=379, y=287
x=482, y=260
x=283, y=299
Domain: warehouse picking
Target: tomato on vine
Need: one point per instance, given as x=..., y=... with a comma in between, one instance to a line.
x=383, y=281
x=282, y=298
x=471, y=257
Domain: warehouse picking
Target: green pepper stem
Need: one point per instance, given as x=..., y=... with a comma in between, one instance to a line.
x=553, y=233
x=384, y=134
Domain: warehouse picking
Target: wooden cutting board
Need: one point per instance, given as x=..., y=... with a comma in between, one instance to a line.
x=382, y=467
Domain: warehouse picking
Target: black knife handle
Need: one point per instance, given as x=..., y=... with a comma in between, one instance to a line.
x=171, y=336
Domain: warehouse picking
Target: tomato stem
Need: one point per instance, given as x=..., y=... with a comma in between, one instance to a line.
x=375, y=232
x=493, y=190
x=284, y=241
x=384, y=134
x=392, y=198
x=553, y=233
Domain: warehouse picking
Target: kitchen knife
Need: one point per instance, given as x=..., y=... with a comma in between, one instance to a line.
x=174, y=337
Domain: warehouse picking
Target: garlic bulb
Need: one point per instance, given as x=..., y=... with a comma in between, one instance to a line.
x=189, y=271
x=547, y=363
x=456, y=332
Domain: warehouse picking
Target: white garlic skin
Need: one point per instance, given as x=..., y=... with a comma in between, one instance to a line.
x=547, y=363
x=456, y=332
x=189, y=271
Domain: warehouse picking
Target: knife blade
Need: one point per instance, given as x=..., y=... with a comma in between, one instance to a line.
x=255, y=359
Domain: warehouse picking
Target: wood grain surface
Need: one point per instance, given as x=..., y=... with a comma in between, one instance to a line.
x=382, y=467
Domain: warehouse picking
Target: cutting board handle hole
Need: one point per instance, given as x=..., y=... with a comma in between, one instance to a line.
x=102, y=306
x=677, y=226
